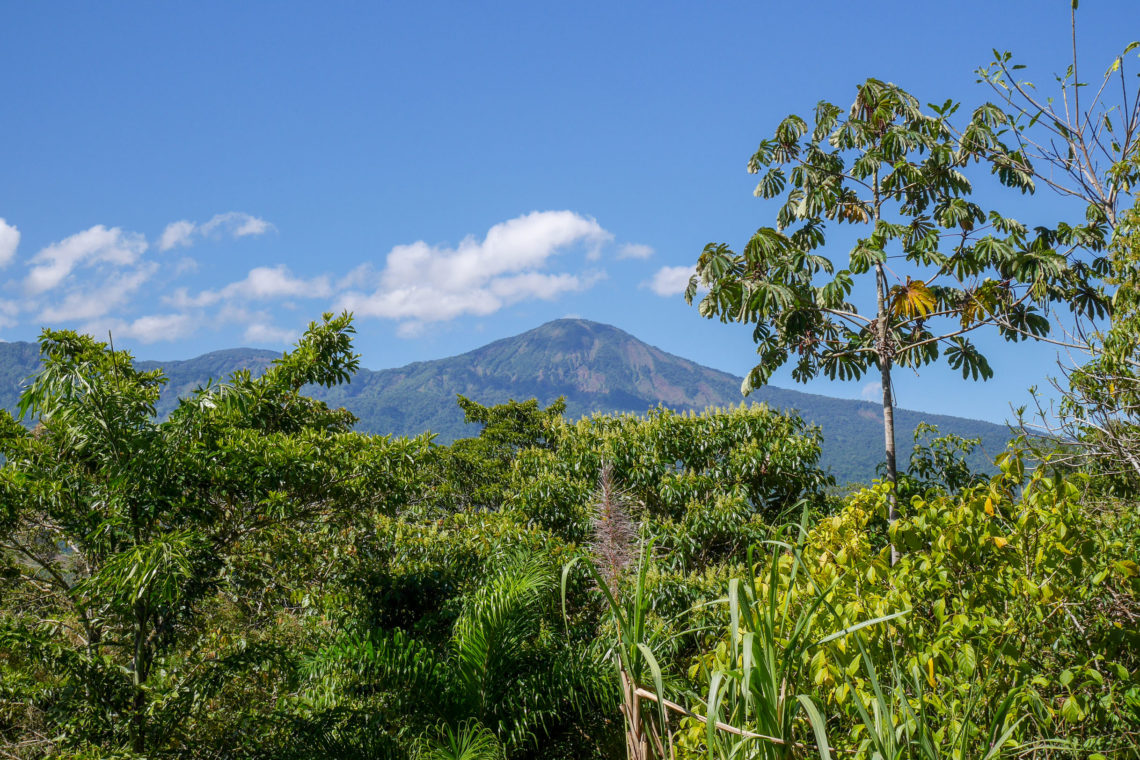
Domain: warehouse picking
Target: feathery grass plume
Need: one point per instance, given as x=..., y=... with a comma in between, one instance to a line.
x=613, y=547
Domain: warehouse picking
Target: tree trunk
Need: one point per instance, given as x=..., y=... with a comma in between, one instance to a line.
x=889, y=438
x=884, y=350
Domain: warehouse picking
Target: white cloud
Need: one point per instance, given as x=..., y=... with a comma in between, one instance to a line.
x=261, y=332
x=426, y=283
x=92, y=302
x=9, y=242
x=147, y=329
x=185, y=265
x=262, y=283
x=634, y=251
x=535, y=285
x=872, y=391
x=53, y=264
x=8, y=312
x=237, y=224
x=278, y=282
x=176, y=234
x=258, y=325
x=669, y=281
x=360, y=277
x=100, y=278
x=409, y=330
x=97, y=278
x=233, y=223
x=180, y=298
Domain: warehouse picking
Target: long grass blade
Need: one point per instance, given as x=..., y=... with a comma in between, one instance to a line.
x=818, y=725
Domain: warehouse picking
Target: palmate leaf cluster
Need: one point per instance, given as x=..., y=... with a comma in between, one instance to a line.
x=943, y=265
x=1081, y=136
x=1099, y=407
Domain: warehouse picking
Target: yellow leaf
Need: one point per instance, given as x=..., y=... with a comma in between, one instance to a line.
x=930, y=672
x=1000, y=542
x=913, y=299
x=989, y=506
x=980, y=303
x=972, y=311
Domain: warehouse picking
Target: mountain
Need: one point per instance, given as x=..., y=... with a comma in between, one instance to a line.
x=596, y=367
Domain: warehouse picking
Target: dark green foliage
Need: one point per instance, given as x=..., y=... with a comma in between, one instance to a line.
x=250, y=579
x=476, y=471
x=231, y=571
x=122, y=535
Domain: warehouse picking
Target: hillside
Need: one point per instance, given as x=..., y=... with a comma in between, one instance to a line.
x=598, y=368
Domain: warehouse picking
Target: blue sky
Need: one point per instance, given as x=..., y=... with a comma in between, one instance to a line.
x=207, y=175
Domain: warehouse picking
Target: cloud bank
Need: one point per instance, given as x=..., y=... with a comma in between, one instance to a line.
x=107, y=278
x=53, y=265
x=422, y=283
x=92, y=277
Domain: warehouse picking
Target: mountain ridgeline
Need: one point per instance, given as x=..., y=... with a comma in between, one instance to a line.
x=596, y=367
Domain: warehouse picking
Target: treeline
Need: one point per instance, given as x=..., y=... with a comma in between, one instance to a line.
x=250, y=578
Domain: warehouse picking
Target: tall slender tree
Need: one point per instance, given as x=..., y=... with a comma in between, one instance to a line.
x=933, y=265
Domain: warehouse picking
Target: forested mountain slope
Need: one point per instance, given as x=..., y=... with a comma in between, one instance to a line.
x=596, y=367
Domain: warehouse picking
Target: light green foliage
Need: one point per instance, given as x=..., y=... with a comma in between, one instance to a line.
x=900, y=720
x=1024, y=594
x=1081, y=138
x=707, y=485
x=1099, y=411
x=469, y=742
x=628, y=608
x=757, y=675
x=938, y=462
x=251, y=578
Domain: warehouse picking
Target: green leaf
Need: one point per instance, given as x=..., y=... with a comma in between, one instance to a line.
x=1071, y=710
x=966, y=659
